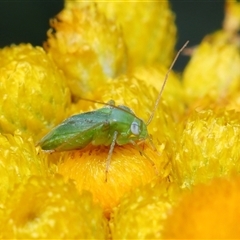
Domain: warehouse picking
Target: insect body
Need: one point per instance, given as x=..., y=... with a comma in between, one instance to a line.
x=99, y=127
x=106, y=126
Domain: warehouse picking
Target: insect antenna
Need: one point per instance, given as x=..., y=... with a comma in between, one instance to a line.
x=164, y=83
x=99, y=102
x=108, y=104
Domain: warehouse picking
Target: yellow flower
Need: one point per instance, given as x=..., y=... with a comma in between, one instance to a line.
x=173, y=92
x=128, y=170
x=210, y=211
x=18, y=160
x=213, y=69
x=148, y=27
x=46, y=208
x=87, y=47
x=231, y=21
x=142, y=212
x=208, y=146
x=34, y=94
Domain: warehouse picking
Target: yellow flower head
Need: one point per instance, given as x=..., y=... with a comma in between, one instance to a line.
x=128, y=170
x=154, y=75
x=44, y=208
x=19, y=160
x=231, y=21
x=142, y=212
x=210, y=211
x=148, y=26
x=34, y=94
x=213, y=69
x=87, y=47
x=208, y=146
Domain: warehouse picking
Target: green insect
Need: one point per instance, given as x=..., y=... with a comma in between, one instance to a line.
x=108, y=126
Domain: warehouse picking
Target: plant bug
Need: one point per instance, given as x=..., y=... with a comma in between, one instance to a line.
x=108, y=126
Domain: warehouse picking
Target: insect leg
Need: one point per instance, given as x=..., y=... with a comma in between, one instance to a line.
x=146, y=156
x=152, y=144
x=110, y=154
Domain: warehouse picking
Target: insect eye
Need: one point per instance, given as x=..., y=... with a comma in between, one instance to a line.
x=135, y=128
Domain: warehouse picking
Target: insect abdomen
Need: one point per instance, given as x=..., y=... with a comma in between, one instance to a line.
x=75, y=132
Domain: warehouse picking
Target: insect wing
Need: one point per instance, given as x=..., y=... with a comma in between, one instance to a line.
x=75, y=132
